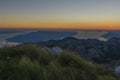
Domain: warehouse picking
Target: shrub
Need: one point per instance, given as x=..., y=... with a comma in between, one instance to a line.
x=30, y=62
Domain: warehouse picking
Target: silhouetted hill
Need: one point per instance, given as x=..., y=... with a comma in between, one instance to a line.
x=112, y=35
x=41, y=36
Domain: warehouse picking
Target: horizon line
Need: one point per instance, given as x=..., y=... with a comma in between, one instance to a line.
x=58, y=29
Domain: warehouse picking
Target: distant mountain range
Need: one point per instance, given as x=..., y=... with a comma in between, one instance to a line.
x=112, y=34
x=10, y=31
x=41, y=36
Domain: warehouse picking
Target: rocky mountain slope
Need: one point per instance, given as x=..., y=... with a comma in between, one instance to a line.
x=91, y=49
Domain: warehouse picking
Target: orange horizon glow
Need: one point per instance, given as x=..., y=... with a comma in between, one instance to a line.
x=64, y=28
x=62, y=25
x=60, y=14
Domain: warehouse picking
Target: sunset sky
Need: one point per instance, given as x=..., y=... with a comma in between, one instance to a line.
x=60, y=14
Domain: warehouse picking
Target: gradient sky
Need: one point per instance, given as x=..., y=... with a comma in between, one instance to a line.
x=60, y=14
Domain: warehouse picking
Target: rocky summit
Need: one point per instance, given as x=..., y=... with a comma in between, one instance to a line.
x=90, y=49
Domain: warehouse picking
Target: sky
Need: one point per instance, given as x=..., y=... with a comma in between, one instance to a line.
x=60, y=14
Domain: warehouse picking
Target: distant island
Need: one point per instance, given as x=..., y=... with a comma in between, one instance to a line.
x=41, y=36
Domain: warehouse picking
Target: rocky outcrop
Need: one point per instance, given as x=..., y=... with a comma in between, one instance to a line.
x=90, y=49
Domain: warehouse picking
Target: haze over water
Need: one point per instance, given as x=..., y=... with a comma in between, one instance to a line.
x=20, y=35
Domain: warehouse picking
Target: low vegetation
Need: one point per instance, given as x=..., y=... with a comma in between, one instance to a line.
x=30, y=62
